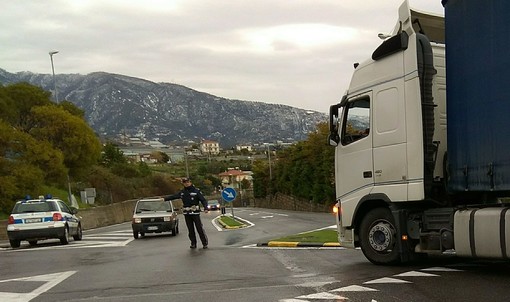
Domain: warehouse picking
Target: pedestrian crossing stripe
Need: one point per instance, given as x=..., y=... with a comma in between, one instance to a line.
x=415, y=274
x=386, y=280
x=323, y=295
x=354, y=288
x=49, y=281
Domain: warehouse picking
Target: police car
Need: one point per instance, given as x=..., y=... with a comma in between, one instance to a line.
x=43, y=218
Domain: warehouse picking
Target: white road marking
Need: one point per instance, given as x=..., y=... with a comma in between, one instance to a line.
x=415, y=274
x=323, y=296
x=386, y=280
x=354, y=288
x=50, y=281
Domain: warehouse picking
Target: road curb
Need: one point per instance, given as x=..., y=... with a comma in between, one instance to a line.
x=299, y=244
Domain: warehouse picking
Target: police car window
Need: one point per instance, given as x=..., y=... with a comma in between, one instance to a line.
x=31, y=207
x=64, y=207
x=357, y=121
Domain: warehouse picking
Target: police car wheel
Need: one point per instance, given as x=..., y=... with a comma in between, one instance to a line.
x=79, y=233
x=65, y=239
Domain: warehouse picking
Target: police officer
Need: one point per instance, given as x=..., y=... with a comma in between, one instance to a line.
x=191, y=197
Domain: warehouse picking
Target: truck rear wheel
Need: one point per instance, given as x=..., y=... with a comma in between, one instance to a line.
x=378, y=237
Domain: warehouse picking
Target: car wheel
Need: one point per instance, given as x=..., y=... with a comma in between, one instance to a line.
x=177, y=228
x=32, y=242
x=142, y=234
x=174, y=230
x=135, y=234
x=65, y=239
x=15, y=243
x=79, y=233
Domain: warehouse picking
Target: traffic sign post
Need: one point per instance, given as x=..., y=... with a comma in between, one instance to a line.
x=228, y=195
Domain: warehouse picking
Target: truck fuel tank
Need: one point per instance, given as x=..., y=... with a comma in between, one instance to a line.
x=482, y=233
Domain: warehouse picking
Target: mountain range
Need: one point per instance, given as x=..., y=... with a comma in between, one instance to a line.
x=116, y=105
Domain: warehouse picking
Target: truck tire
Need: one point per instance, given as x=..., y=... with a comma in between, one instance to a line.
x=378, y=237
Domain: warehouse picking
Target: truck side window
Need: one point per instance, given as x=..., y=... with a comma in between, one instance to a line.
x=356, y=121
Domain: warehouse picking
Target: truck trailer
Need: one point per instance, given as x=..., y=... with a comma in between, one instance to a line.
x=422, y=138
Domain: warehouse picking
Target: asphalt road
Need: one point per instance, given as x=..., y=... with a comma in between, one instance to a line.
x=109, y=265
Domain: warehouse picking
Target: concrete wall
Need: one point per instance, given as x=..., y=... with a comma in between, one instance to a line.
x=285, y=202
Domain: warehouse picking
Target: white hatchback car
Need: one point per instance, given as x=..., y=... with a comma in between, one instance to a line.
x=154, y=215
x=43, y=218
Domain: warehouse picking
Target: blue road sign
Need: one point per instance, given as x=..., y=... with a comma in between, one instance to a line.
x=228, y=194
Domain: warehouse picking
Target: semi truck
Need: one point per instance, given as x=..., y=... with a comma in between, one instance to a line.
x=422, y=138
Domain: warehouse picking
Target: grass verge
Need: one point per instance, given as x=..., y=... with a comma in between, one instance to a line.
x=321, y=236
x=230, y=222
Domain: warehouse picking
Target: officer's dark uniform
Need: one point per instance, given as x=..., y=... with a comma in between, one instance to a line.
x=191, y=197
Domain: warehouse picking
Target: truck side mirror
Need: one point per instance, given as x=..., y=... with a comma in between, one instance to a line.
x=333, y=139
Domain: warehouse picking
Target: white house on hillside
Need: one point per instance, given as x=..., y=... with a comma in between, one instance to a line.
x=210, y=147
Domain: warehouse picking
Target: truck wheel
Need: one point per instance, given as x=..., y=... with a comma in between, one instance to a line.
x=378, y=237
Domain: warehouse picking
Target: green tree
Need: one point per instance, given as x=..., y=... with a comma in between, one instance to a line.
x=68, y=133
x=305, y=170
x=25, y=97
x=26, y=164
x=71, y=108
x=160, y=157
x=7, y=107
x=112, y=155
x=260, y=178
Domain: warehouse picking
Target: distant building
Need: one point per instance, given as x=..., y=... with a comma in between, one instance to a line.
x=210, y=147
x=157, y=144
x=241, y=147
x=235, y=176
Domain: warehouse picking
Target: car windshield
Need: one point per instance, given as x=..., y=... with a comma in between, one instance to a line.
x=34, y=207
x=212, y=202
x=152, y=206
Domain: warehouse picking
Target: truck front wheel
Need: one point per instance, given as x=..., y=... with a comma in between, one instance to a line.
x=378, y=237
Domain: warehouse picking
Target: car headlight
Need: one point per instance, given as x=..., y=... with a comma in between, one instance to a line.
x=137, y=220
x=167, y=218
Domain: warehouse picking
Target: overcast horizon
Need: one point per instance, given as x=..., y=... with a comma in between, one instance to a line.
x=298, y=53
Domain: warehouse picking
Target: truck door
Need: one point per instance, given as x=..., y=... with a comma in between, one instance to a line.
x=355, y=176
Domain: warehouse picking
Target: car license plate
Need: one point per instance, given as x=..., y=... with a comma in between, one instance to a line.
x=32, y=220
x=152, y=228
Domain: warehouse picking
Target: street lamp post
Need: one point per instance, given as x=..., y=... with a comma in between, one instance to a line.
x=53, y=70
x=186, y=162
x=269, y=161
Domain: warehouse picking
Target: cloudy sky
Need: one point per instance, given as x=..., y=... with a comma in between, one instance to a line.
x=293, y=52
